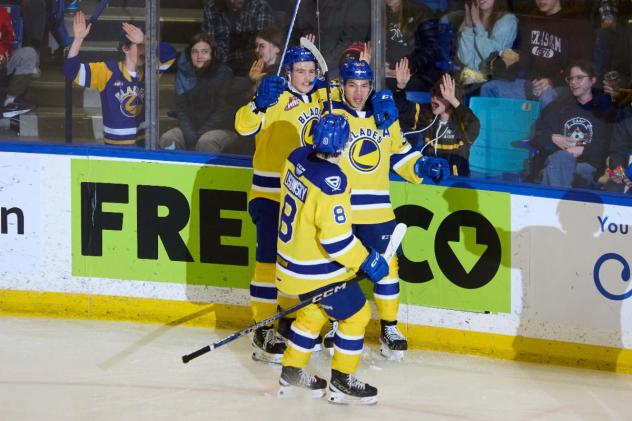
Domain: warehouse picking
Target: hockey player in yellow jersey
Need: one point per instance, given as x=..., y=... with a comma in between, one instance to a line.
x=280, y=116
x=377, y=146
x=317, y=248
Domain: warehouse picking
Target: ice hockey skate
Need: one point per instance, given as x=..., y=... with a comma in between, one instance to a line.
x=393, y=344
x=346, y=389
x=267, y=346
x=296, y=382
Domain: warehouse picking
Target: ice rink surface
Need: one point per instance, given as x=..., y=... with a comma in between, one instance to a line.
x=57, y=369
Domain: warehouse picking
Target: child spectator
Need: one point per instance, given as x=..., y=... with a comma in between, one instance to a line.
x=204, y=118
x=233, y=24
x=572, y=135
x=19, y=64
x=121, y=84
x=450, y=128
x=550, y=39
x=488, y=28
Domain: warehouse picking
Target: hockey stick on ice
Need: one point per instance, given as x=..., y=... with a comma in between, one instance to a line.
x=305, y=43
x=391, y=249
x=289, y=35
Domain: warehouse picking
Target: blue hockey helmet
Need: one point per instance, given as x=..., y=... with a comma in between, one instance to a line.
x=356, y=70
x=297, y=55
x=331, y=133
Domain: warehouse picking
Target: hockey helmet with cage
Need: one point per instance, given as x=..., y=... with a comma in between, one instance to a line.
x=331, y=133
x=297, y=55
x=356, y=70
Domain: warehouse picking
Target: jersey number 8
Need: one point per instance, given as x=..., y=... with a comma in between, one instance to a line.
x=288, y=213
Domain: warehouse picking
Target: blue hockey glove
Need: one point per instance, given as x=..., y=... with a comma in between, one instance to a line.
x=270, y=88
x=437, y=169
x=375, y=266
x=384, y=109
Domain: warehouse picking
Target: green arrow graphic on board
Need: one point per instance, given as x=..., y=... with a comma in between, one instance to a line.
x=467, y=250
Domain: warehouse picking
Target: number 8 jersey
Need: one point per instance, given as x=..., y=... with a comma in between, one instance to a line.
x=316, y=246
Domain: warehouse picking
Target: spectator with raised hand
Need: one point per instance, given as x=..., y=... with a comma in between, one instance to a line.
x=268, y=46
x=234, y=24
x=572, y=136
x=448, y=127
x=487, y=29
x=19, y=64
x=550, y=39
x=204, y=118
x=121, y=83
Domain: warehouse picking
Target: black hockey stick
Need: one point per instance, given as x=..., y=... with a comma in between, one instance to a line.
x=391, y=249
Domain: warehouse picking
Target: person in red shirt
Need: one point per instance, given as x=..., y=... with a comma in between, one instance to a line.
x=20, y=64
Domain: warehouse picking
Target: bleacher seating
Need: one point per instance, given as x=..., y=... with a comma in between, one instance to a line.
x=500, y=151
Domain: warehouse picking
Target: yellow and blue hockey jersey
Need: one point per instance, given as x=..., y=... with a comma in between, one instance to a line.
x=122, y=95
x=367, y=160
x=279, y=130
x=316, y=245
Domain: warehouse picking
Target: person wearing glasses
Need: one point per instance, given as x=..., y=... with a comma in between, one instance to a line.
x=572, y=134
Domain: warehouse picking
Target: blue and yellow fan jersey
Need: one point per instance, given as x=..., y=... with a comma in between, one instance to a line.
x=279, y=130
x=316, y=245
x=122, y=94
x=369, y=156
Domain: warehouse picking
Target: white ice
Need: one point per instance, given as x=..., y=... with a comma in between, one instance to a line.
x=57, y=369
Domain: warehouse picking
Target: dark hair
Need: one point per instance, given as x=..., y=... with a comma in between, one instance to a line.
x=203, y=37
x=272, y=35
x=586, y=66
x=436, y=91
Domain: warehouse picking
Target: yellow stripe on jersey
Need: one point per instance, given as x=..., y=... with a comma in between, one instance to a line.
x=316, y=245
x=279, y=130
x=367, y=160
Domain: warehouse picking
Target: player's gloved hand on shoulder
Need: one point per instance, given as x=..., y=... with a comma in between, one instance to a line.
x=375, y=266
x=437, y=169
x=268, y=92
x=384, y=109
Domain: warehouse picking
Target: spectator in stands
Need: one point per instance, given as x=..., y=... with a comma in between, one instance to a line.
x=402, y=19
x=204, y=118
x=487, y=29
x=18, y=64
x=620, y=151
x=268, y=46
x=572, y=135
x=233, y=24
x=120, y=83
x=449, y=127
x=551, y=38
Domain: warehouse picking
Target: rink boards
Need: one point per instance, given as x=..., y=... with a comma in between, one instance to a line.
x=492, y=269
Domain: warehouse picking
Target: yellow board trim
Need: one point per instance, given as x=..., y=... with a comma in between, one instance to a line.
x=183, y=313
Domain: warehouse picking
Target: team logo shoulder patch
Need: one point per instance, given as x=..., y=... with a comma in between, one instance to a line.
x=333, y=182
x=299, y=170
x=293, y=102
